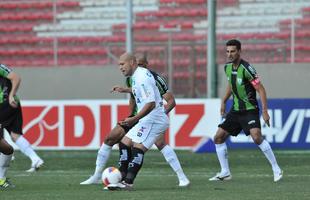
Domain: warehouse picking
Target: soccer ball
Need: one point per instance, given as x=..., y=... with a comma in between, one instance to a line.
x=111, y=175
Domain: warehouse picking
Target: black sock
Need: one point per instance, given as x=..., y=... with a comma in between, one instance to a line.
x=134, y=165
x=124, y=158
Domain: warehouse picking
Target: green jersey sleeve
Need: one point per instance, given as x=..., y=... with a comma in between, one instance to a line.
x=4, y=70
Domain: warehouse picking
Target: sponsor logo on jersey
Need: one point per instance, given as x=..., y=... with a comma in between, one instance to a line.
x=251, y=122
x=252, y=70
x=146, y=92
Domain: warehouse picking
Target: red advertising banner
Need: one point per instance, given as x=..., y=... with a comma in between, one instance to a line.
x=84, y=124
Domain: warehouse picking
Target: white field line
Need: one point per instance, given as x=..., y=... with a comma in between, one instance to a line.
x=147, y=173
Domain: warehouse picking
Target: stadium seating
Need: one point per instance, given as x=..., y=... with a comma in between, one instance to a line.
x=88, y=32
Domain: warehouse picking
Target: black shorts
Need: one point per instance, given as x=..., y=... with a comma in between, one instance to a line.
x=126, y=127
x=235, y=122
x=11, y=118
x=1, y=133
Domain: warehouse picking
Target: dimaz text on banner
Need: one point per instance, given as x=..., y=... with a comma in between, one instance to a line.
x=83, y=124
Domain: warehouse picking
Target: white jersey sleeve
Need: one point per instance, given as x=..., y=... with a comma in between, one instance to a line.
x=145, y=91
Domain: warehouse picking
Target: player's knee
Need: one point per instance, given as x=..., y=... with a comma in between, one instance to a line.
x=15, y=136
x=109, y=141
x=257, y=140
x=257, y=136
x=218, y=139
x=220, y=136
x=160, y=145
x=8, y=150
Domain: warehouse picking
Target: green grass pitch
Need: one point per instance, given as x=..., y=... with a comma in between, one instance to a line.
x=252, y=177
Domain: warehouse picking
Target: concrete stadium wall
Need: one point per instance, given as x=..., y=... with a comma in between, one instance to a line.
x=280, y=81
x=69, y=82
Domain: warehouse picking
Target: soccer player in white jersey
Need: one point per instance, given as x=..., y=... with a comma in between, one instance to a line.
x=151, y=120
x=119, y=131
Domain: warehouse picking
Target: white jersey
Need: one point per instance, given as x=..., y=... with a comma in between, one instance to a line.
x=145, y=91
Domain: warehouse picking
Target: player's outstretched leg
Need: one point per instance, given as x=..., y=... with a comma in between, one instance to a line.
x=266, y=149
x=26, y=149
x=116, y=134
x=102, y=158
x=174, y=163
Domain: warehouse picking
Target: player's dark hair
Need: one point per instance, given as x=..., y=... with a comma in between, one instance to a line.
x=234, y=42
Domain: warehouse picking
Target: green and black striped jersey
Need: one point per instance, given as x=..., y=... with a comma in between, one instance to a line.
x=5, y=83
x=160, y=83
x=244, y=94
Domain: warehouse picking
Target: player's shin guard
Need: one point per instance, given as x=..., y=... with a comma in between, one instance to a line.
x=135, y=165
x=124, y=158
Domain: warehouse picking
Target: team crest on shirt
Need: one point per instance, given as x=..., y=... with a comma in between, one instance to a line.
x=239, y=81
x=148, y=74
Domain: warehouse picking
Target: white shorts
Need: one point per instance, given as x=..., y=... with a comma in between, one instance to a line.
x=146, y=132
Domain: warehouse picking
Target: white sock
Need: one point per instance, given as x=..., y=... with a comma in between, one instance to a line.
x=26, y=149
x=4, y=164
x=102, y=158
x=222, y=155
x=173, y=161
x=266, y=149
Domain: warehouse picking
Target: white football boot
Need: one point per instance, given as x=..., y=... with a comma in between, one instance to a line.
x=92, y=180
x=221, y=177
x=184, y=182
x=277, y=176
x=36, y=165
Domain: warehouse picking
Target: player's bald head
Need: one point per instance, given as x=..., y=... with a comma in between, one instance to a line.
x=127, y=57
x=141, y=59
x=127, y=64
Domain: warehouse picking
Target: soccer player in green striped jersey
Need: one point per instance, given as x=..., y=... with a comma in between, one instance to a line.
x=243, y=83
x=11, y=117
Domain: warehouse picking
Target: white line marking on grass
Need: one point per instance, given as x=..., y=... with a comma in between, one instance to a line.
x=149, y=174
